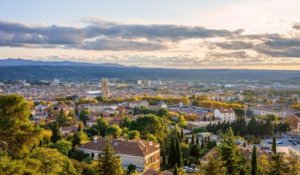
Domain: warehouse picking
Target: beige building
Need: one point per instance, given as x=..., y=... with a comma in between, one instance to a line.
x=141, y=153
x=105, y=88
x=225, y=114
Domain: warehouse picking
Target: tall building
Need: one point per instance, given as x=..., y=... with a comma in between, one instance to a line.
x=105, y=88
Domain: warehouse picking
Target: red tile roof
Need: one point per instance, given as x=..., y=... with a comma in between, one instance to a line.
x=139, y=148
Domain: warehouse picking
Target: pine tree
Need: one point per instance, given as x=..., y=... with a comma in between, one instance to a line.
x=274, y=145
x=175, y=170
x=229, y=152
x=254, y=162
x=214, y=167
x=109, y=162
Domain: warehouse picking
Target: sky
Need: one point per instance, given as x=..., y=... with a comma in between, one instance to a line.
x=188, y=34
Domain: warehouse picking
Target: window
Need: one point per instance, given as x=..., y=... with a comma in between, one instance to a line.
x=92, y=155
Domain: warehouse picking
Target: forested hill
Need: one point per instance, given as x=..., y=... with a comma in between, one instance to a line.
x=79, y=73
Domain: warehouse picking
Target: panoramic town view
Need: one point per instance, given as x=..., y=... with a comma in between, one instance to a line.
x=150, y=87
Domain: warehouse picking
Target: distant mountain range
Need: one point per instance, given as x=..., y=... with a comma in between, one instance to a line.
x=25, y=62
x=21, y=69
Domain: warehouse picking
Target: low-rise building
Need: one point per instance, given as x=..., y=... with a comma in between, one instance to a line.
x=225, y=114
x=138, y=104
x=141, y=153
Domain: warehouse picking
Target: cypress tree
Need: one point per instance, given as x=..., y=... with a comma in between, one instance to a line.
x=56, y=135
x=202, y=143
x=175, y=170
x=197, y=141
x=274, y=145
x=171, y=153
x=181, y=134
x=179, y=160
x=193, y=139
x=254, y=162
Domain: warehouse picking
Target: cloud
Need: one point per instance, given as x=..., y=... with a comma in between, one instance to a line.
x=296, y=26
x=113, y=36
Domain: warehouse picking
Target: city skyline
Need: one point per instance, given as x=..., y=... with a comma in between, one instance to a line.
x=243, y=34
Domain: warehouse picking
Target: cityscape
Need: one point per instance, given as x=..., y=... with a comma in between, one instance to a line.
x=150, y=87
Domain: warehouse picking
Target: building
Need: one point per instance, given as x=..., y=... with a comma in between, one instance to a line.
x=138, y=104
x=105, y=88
x=278, y=111
x=225, y=114
x=141, y=153
x=99, y=107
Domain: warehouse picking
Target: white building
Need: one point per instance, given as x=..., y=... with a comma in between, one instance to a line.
x=224, y=114
x=100, y=107
x=138, y=104
x=141, y=153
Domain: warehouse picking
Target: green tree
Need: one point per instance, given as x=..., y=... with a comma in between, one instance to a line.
x=114, y=130
x=56, y=135
x=151, y=124
x=181, y=121
x=63, y=146
x=101, y=126
x=134, y=134
x=229, y=152
x=254, y=162
x=175, y=170
x=109, y=162
x=15, y=128
x=274, y=145
x=294, y=163
x=52, y=162
x=174, y=154
x=84, y=115
x=214, y=167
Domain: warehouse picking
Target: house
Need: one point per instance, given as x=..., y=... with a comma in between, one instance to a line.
x=224, y=114
x=100, y=107
x=141, y=153
x=278, y=111
x=68, y=130
x=138, y=104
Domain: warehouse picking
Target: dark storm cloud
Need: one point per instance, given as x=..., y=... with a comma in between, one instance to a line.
x=117, y=36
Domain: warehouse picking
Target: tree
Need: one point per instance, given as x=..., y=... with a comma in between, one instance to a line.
x=78, y=138
x=195, y=151
x=263, y=164
x=175, y=170
x=45, y=136
x=109, y=162
x=56, y=135
x=134, y=134
x=84, y=115
x=193, y=139
x=229, y=152
x=254, y=162
x=174, y=154
x=114, y=130
x=151, y=124
x=16, y=130
x=274, y=145
x=52, y=161
x=277, y=166
x=63, y=146
x=214, y=167
x=181, y=121
x=294, y=163
x=101, y=126
x=131, y=168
